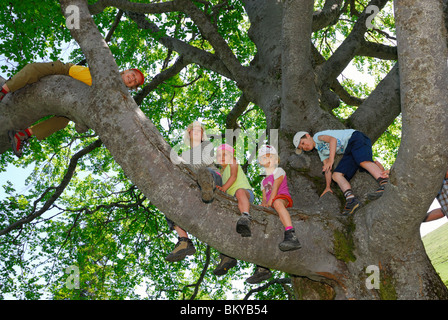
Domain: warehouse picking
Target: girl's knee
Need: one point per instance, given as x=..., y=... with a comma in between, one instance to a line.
x=240, y=192
x=278, y=204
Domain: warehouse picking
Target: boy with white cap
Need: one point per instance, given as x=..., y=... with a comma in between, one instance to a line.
x=357, y=154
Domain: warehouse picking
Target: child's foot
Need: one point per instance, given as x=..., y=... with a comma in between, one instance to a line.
x=224, y=265
x=18, y=139
x=184, y=247
x=378, y=193
x=290, y=241
x=351, y=206
x=207, y=185
x=243, y=225
x=259, y=275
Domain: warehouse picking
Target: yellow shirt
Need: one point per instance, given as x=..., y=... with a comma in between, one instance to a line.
x=81, y=73
x=241, y=181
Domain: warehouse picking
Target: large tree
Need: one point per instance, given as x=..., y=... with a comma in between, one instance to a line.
x=273, y=56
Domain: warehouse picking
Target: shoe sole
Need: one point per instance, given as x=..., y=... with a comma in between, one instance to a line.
x=243, y=229
x=257, y=280
x=178, y=256
x=206, y=183
x=220, y=271
x=289, y=246
x=375, y=195
x=352, y=211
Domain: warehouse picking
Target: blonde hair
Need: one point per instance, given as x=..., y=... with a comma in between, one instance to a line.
x=187, y=137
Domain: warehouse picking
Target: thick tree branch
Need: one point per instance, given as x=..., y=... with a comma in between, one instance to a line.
x=422, y=158
x=236, y=112
x=380, y=108
x=329, y=14
x=377, y=50
x=103, y=69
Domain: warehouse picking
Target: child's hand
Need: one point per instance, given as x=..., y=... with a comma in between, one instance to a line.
x=220, y=188
x=385, y=174
x=269, y=204
x=325, y=191
x=264, y=204
x=328, y=165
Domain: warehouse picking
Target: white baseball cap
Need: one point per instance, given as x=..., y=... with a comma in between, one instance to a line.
x=266, y=149
x=296, y=140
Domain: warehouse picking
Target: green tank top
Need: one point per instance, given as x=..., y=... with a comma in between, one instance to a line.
x=241, y=181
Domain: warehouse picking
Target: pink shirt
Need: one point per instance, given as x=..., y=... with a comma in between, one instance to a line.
x=268, y=183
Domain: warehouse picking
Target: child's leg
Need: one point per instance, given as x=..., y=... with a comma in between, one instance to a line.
x=41, y=131
x=290, y=241
x=343, y=183
x=47, y=127
x=352, y=203
x=280, y=206
x=242, y=195
x=372, y=168
x=243, y=223
x=181, y=232
x=184, y=246
x=32, y=72
x=377, y=173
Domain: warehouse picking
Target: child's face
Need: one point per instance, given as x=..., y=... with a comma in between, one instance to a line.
x=306, y=143
x=224, y=157
x=196, y=134
x=131, y=78
x=268, y=160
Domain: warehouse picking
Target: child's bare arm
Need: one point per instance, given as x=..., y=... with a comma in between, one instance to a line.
x=263, y=201
x=328, y=164
x=327, y=183
x=232, y=178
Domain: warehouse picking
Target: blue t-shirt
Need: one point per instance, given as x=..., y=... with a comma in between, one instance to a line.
x=342, y=137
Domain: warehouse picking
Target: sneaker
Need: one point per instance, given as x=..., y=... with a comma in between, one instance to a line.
x=18, y=139
x=351, y=206
x=290, y=241
x=259, y=275
x=378, y=193
x=243, y=225
x=224, y=265
x=184, y=247
x=207, y=185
